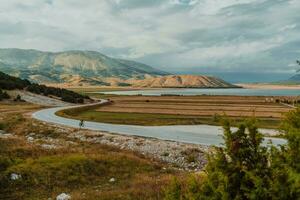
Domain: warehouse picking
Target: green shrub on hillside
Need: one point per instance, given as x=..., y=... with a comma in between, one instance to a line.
x=11, y=83
x=244, y=169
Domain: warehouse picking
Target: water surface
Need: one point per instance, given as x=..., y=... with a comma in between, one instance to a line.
x=210, y=91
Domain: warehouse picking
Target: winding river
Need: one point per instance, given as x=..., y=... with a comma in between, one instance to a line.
x=195, y=134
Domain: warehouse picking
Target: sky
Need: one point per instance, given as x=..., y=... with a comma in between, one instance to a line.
x=257, y=36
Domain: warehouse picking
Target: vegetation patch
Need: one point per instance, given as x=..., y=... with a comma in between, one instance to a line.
x=147, y=119
x=81, y=169
x=167, y=110
x=44, y=174
x=245, y=169
x=11, y=83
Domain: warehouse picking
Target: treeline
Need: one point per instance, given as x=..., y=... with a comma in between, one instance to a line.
x=244, y=169
x=8, y=82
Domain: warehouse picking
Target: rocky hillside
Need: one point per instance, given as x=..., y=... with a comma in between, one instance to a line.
x=181, y=81
x=82, y=67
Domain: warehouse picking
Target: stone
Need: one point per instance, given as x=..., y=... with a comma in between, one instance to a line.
x=30, y=139
x=15, y=176
x=31, y=134
x=63, y=196
x=112, y=180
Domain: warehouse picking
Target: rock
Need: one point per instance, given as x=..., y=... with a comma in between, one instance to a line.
x=15, y=176
x=30, y=139
x=63, y=196
x=112, y=180
x=31, y=134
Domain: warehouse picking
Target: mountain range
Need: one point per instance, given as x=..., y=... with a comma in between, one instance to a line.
x=294, y=79
x=89, y=66
x=80, y=68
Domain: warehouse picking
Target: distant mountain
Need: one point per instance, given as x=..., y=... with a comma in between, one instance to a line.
x=182, y=81
x=295, y=79
x=82, y=67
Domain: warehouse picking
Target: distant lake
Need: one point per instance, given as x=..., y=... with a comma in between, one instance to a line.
x=210, y=91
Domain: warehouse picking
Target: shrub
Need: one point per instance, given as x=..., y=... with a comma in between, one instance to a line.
x=18, y=98
x=244, y=169
x=3, y=95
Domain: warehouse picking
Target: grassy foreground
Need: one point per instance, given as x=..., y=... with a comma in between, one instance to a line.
x=81, y=169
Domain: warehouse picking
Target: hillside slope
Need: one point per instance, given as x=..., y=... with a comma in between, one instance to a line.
x=84, y=66
x=181, y=81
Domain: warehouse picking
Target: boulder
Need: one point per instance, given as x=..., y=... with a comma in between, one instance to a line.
x=15, y=176
x=112, y=180
x=63, y=196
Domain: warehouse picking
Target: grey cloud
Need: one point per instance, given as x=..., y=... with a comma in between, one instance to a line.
x=221, y=35
x=131, y=4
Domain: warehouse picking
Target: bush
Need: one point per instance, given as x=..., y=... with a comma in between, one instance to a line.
x=18, y=98
x=244, y=169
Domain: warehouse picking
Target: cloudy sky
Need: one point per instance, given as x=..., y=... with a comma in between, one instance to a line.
x=207, y=35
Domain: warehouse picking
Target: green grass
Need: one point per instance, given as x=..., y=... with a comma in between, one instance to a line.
x=147, y=119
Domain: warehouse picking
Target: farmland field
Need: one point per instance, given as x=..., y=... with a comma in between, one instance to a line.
x=174, y=110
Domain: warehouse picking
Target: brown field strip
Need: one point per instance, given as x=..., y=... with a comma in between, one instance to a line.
x=197, y=105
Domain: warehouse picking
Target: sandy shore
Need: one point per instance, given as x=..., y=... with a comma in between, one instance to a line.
x=267, y=86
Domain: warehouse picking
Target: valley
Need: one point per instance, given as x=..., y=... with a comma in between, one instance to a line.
x=150, y=100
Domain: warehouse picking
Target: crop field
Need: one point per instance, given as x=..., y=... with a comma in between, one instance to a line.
x=171, y=110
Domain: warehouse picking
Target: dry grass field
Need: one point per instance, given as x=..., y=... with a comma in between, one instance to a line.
x=168, y=110
x=199, y=105
x=81, y=169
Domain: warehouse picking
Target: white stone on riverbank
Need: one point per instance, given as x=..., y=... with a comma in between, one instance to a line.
x=15, y=176
x=63, y=196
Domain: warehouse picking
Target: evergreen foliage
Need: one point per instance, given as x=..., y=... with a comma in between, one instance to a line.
x=245, y=169
x=11, y=83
